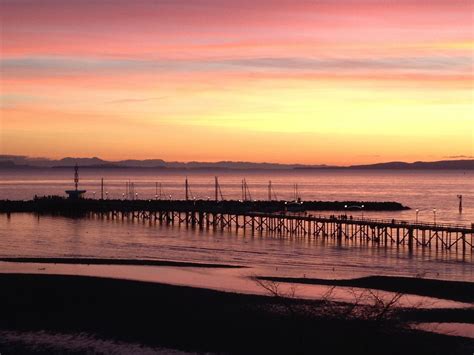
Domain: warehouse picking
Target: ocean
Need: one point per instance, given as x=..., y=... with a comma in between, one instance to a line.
x=53, y=236
x=422, y=190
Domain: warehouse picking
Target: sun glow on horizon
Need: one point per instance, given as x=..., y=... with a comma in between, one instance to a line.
x=354, y=82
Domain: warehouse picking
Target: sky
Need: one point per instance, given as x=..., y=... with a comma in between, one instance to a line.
x=318, y=82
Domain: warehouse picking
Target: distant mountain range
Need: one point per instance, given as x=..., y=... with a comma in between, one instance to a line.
x=24, y=162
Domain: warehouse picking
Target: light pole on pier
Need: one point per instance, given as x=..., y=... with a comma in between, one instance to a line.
x=416, y=216
x=434, y=215
x=460, y=203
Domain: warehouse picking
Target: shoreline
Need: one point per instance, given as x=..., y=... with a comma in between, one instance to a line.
x=461, y=291
x=101, y=261
x=450, y=290
x=194, y=319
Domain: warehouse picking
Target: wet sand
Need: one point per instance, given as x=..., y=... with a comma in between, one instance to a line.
x=193, y=319
x=449, y=290
x=238, y=280
x=97, y=261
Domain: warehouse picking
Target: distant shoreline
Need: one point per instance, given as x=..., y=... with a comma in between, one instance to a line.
x=212, y=168
x=22, y=163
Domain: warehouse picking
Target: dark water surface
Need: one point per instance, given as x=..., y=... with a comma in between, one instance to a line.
x=30, y=235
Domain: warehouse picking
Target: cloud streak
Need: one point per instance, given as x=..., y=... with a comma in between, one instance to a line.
x=135, y=100
x=338, y=69
x=12, y=67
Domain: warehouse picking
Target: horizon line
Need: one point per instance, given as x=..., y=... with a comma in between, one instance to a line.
x=32, y=159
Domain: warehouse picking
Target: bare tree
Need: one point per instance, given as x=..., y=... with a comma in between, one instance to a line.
x=273, y=289
x=366, y=304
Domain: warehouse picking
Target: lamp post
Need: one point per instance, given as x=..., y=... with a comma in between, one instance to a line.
x=362, y=210
x=416, y=216
x=106, y=195
x=93, y=194
x=434, y=215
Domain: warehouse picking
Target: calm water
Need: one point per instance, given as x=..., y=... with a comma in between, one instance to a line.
x=30, y=235
x=419, y=190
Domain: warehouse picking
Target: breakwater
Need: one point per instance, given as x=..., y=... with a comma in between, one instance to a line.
x=59, y=205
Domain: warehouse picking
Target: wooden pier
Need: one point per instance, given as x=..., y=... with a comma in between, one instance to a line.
x=339, y=228
x=265, y=217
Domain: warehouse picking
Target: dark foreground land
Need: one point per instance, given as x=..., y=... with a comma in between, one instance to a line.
x=203, y=320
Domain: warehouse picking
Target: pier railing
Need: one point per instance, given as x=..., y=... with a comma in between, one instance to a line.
x=246, y=216
x=400, y=222
x=364, y=231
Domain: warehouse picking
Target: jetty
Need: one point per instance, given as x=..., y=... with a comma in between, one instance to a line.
x=269, y=217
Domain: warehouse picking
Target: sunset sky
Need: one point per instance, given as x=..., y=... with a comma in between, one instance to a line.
x=328, y=81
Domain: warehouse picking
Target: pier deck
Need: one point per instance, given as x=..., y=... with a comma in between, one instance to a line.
x=264, y=217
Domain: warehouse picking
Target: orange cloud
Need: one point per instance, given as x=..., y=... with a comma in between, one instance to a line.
x=334, y=81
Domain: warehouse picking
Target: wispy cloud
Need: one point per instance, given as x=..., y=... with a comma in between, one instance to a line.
x=11, y=101
x=460, y=157
x=133, y=100
x=71, y=65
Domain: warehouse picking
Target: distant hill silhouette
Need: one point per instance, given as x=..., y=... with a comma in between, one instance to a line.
x=24, y=162
x=443, y=164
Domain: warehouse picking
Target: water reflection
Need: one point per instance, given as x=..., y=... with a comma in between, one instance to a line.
x=30, y=235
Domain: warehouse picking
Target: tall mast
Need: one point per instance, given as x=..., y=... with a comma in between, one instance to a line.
x=76, y=176
x=186, y=186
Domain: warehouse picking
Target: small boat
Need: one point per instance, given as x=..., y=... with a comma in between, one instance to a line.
x=295, y=206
